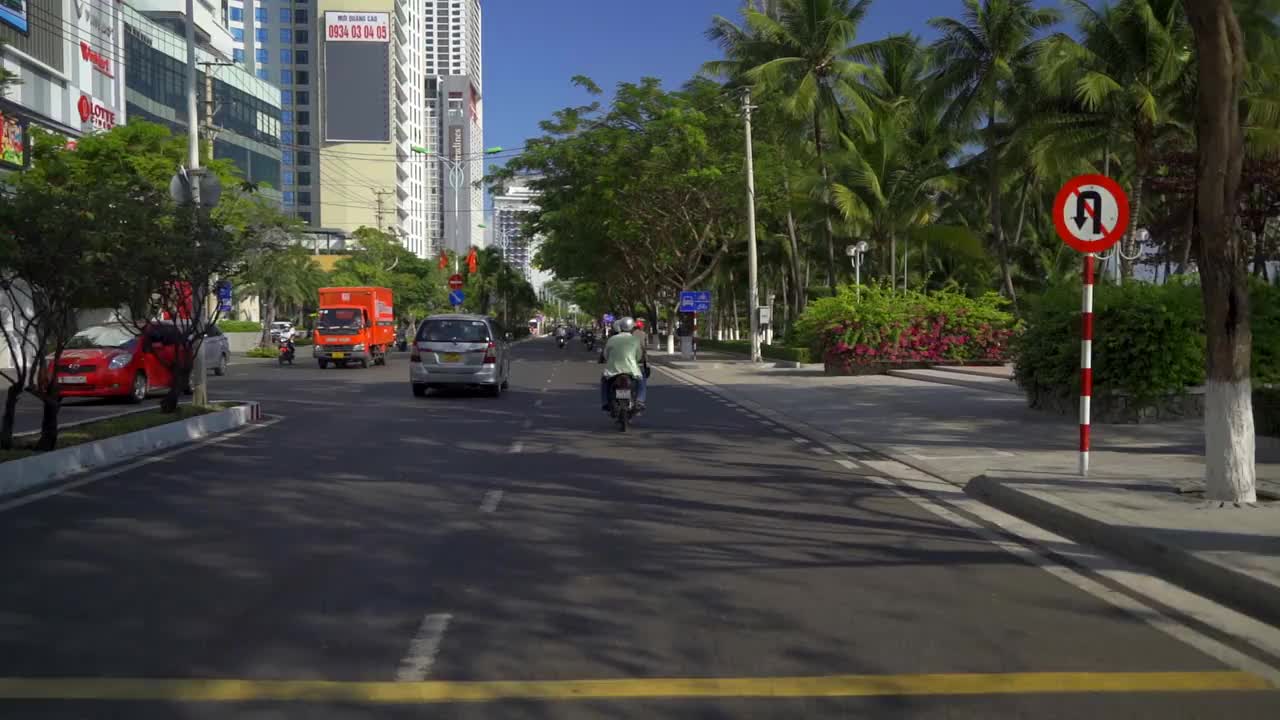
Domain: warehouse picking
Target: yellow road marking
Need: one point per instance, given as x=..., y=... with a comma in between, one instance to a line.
x=230, y=690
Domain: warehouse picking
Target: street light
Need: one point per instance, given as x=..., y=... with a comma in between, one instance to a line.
x=855, y=253
x=455, y=182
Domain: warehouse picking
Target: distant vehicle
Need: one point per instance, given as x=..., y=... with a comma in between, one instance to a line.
x=217, y=350
x=109, y=361
x=280, y=327
x=354, y=324
x=456, y=350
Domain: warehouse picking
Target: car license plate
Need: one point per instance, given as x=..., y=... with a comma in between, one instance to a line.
x=73, y=380
x=338, y=356
x=451, y=358
x=622, y=394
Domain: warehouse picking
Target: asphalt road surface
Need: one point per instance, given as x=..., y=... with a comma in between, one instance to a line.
x=367, y=554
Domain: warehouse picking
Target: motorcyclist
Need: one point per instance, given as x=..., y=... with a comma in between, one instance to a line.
x=623, y=355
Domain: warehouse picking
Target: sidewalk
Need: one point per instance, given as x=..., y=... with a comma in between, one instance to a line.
x=1025, y=462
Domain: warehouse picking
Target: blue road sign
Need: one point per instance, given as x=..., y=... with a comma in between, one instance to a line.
x=224, y=296
x=695, y=301
x=608, y=318
x=456, y=297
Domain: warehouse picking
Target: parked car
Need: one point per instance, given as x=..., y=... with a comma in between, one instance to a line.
x=107, y=361
x=460, y=351
x=279, y=327
x=217, y=351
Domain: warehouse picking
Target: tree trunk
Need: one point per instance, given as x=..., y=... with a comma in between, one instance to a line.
x=795, y=248
x=11, y=397
x=49, y=421
x=1228, y=422
x=1022, y=213
x=826, y=207
x=268, y=317
x=995, y=207
x=1126, y=265
x=893, y=261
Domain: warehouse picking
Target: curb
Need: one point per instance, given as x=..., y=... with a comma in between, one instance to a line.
x=1240, y=590
x=959, y=380
x=29, y=473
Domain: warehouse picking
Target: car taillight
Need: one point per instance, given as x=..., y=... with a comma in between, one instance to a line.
x=489, y=357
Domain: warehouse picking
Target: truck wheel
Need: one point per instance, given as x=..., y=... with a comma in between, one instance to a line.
x=323, y=364
x=419, y=390
x=364, y=363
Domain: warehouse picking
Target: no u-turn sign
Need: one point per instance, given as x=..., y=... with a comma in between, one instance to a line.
x=1091, y=213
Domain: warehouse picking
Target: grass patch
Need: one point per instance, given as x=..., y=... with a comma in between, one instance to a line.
x=772, y=352
x=111, y=427
x=240, y=326
x=264, y=352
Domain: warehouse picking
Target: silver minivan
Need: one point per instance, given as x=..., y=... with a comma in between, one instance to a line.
x=460, y=351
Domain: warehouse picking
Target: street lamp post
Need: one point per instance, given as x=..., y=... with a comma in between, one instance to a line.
x=855, y=253
x=455, y=183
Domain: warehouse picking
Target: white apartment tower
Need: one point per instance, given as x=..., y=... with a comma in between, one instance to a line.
x=455, y=122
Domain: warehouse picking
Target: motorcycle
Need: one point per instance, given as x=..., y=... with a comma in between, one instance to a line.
x=286, y=351
x=560, y=342
x=590, y=341
x=623, y=406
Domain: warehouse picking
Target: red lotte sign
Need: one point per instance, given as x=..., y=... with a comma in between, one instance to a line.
x=100, y=62
x=95, y=113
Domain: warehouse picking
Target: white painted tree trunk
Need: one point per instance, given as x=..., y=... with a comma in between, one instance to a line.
x=1229, y=441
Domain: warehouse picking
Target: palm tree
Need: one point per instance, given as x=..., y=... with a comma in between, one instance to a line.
x=977, y=60
x=280, y=276
x=803, y=54
x=1126, y=75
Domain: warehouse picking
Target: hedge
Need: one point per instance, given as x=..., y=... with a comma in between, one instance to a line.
x=1148, y=339
x=886, y=327
x=773, y=352
x=239, y=326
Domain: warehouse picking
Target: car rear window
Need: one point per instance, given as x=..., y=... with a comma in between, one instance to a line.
x=454, y=331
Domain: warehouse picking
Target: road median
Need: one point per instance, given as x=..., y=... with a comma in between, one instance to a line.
x=113, y=440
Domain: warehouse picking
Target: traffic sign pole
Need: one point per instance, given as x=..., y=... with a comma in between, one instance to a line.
x=1086, y=360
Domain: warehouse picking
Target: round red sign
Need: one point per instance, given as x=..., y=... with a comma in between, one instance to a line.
x=455, y=282
x=85, y=106
x=1091, y=213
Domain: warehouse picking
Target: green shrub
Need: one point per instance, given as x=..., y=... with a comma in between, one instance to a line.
x=1264, y=317
x=772, y=352
x=239, y=326
x=888, y=326
x=263, y=352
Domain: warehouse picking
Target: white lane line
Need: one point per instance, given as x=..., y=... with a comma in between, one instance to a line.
x=821, y=451
x=517, y=447
x=149, y=460
x=1000, y=453
x=801, y=440
x=846, y=464
x=490, y=501
x=417, y=662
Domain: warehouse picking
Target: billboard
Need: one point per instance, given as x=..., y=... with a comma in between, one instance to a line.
x=14, y=13
x=455, y=142
x=13, y=141
x=357, y=77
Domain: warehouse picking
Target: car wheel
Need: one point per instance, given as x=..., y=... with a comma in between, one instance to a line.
x=221, y=368
x=364, y=363
x=419, y=390
x=506, y=384
x=322, y=363
x=140, y=388
x=494, y=390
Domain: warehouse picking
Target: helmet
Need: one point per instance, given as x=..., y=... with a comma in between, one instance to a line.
x=626, y=324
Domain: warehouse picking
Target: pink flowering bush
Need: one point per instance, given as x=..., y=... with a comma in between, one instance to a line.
x=888, y=328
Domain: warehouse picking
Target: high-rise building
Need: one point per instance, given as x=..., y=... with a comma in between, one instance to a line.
x=455, y=101
x=511, y=205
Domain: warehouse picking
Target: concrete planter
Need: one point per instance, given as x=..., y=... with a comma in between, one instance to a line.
x=242, y=342
x=46, y=468
x=1120, y=408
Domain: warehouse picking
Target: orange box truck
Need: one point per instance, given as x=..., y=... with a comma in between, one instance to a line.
x=354, y=325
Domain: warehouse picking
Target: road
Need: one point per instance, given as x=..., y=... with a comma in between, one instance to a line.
x=507, y=552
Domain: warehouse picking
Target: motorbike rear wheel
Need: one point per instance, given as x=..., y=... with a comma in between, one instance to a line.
x=623, y=410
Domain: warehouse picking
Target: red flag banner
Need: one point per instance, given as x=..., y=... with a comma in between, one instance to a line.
x=472, y=261
x=444, y=259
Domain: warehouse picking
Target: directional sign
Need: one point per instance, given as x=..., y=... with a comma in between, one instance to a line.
x=1091, y=213
x=456, y=282
x=695, y=301
x=224, y=296
x=456, y=297
x=608, y=319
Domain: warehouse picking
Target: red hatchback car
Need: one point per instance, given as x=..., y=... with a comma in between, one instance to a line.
x=109, y=361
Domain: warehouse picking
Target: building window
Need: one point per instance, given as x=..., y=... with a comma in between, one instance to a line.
x=284, y=15
x=304, y=159
x=304, y=138
x=303, y=56
x=305, y=217
x=303, y=36
x=304, y=198
x=262, y=74
x=287, y=177
x=286, y=56
x=286, y=137
x=261, y=55
x=304, y=117
x=260, y=34
x=286, y=98
x=288, y=198
x=237, y=34
x=286, y=35
x=260, y=14
x=304, y=77
x=304, y=97
x=286, y=77
x=286, y=157
x=237, y=14
x=237, y=54
x=304, y=178
x=286, y=117
x=300, y=16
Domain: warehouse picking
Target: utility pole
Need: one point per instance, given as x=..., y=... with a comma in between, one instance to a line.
x=199, y=389
x=753, y=294
x=378, y=194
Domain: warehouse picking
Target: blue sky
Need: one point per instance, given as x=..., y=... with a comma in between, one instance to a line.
x=533, y=47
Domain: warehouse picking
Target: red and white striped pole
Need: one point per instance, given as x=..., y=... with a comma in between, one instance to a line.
x=1086, y=360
